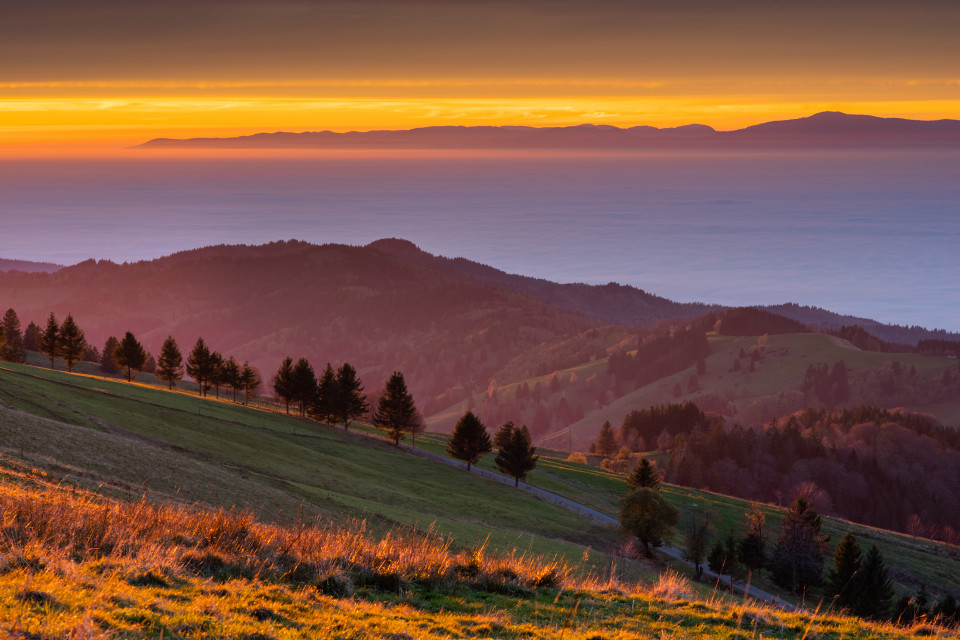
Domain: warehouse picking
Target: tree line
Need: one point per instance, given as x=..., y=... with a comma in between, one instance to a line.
x=516, y=455
x=857, y=583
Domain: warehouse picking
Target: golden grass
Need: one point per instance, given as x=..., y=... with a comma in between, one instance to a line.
x=74, y=564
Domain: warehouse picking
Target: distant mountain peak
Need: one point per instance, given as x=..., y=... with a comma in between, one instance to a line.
x=824, y=129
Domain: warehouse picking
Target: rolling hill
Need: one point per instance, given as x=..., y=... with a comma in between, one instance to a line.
x=64, y=435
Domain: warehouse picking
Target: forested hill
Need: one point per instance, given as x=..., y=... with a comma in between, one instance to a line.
x=383, y=307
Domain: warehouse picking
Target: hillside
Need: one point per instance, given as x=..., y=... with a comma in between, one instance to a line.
x=449, y=325
x=90, y=433
x=28, y=267
x=827, y=129
x=141, y=570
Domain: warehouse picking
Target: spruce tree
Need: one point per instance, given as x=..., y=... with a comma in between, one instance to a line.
x=217, y=378
x=841, y=582
x=170, y=364
x=50, y=339
x=230, y=375
x=130, y=355
x=798, y=557
x=328, y=395
x=606, y=444
x=501, y=438
x=72, y=343
x=106, y=357
x=645, y=475
x=281, y=382
x=697, y=527
x=517, y=457
x=351, y=403
x=303, y=385
x=470, y=440
x=396, y=413
x=250, y=381
x=13, y=349
x=874, y=588
x=200, y=365
x=31, y=337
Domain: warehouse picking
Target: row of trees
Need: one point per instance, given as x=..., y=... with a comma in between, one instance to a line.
x=516, y=455
x=336, y=397
x=65, y=341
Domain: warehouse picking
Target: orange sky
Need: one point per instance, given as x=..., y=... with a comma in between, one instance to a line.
x=111, y=73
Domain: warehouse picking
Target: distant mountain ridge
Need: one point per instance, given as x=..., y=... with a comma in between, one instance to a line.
x=827, y=129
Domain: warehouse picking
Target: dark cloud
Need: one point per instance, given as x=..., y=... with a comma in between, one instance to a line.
x=57, y=40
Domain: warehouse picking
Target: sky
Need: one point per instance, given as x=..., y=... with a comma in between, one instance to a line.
x=83, y=82
x=105, y=74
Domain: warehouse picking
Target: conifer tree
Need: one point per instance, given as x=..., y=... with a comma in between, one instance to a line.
x=170, y=364
x=351, y=404
x=328, y=395
x=130, y=355
x=798, y=557
x=470, y=440
x=697, y=527
x=396, y=412
x=501, y=439
x=31, y=337
x=50, y=339
x=517, y=457
x=73, y=344
x=645, y=475
x=874, y=592
x=846, y=566
x=200, y=365
x=230, y=375
x=606, y=444
x=250, y=381
x=303, y=385
x=13, y=349
x=281, y=382
x=217, y=378
x=106, y=357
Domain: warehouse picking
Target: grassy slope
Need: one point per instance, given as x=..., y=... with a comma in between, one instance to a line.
x=281, y=466
x=76, y=566
x=135, y=439
x=784, y=368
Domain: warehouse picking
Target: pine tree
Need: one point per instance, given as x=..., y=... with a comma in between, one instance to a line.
x=200, y=365
x=217, y=378
x=281, y=382
x=328, y=395
x=230, y=375
x=470, y=440
x=874, y=588
x=351, y=403
x=50, y=339
x=250, y=381
x=501, y=439
x=645, y=475
x=170, y=364
x=606, y=444
x=13, y=349
x=303, y=385
x=396, y=412
x=130, y=355
x=106, y=358
x=517, y=457
x=31, y=337
x=72, y=343
x=846, y=566
x=798, y=557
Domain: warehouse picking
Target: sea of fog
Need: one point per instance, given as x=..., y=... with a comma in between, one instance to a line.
x=873, y=234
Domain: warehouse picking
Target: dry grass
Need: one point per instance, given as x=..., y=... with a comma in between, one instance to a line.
x=78, y=565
